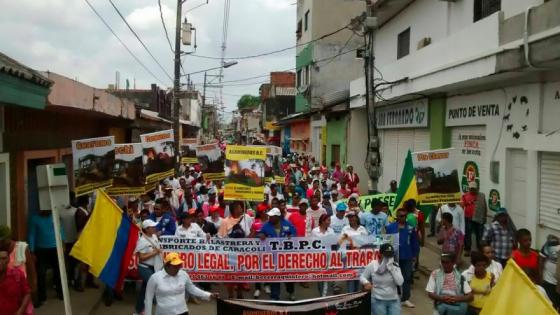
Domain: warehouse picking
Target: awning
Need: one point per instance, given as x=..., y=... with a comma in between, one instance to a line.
x=283, y=91
x=296, y=117
x=189, y=123
x=151, y=115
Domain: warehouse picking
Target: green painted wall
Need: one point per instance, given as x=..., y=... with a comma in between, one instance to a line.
x=336, y=129
x=21, y=92
x=440, y=136
x=304, y=58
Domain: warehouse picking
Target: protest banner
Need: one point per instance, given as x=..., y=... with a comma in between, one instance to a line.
x=437, y=178
x=273, y=166
x=128, y=171
x=344, y=304
x=188, y=151
x=244, y=173
x=158, y=155
x=211, y=160
x=93, y=161
x=298, y=259
x=365, y=202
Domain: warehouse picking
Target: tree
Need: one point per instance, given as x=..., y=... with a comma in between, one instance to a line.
x=248, y=102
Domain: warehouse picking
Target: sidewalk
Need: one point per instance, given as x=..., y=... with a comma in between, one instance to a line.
x=82, y=303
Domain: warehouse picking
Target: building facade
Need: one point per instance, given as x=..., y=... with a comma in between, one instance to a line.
x=325, y=63
x=463, y=75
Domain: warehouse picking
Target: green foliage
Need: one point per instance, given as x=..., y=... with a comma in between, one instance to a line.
x=248, y=102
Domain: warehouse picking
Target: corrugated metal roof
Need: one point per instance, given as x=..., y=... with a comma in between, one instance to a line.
x=16, y=69
x=336, y=97
x=285, y=91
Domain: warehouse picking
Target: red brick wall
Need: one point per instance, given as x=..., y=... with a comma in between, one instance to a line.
x=283, y=79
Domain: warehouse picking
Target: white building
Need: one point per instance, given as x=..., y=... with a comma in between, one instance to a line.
x=481, y=87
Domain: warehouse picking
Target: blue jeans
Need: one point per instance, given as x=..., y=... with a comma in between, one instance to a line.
x=353, y=286
x=406, y=270
x=452, y=309
x=323, y=288
x=144, y=273
x=275, y=290
x=385, y=307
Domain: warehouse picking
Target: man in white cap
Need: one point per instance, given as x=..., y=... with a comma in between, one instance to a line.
x=277, y=226
x=474, y=204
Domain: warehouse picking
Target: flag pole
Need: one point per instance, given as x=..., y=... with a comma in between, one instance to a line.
x=60, y=255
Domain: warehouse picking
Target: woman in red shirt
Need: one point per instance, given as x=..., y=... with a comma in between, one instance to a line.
x=524, y=256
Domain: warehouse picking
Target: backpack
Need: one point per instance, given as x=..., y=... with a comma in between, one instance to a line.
x=237, y=231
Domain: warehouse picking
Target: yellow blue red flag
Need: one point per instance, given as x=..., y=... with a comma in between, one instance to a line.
x=107, y=242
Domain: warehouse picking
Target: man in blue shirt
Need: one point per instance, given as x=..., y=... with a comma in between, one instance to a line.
x=277, y=226
x=162, y=215
x=408, y=251
x=42, y=243
x=374, y=221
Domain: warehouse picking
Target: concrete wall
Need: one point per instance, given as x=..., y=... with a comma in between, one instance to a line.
x=70, y=93
x=357, y=145
x=501, y=140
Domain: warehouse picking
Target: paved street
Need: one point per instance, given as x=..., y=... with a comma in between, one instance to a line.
x=89, y=302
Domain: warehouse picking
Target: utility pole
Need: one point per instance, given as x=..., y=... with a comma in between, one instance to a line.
x=177, y=84
x=373, y=156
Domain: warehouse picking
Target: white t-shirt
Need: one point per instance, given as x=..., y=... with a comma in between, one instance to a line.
x=550, y=261
x=317, y=232
x=193, y=231
x=458, y=216
x=351, y=232
x=449, y=285
x=145, y=246
x=312, y=219
x=338, y=224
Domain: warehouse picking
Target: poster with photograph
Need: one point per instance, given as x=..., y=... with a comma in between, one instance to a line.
x=93, y=164
x=244, y=173
x=211, y=160
x=188, y=151
x=158, y=155
x=128, y=170
x=273, y=166
x=437, y=178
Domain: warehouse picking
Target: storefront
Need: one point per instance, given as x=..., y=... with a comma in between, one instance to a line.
x=402, y=127
x=507, y=141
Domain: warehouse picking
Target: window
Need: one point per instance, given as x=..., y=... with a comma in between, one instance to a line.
x=306, y=20
x=403, y=43
x=484, y=8
x=298, y=32
x=307, y=75
x=299, y=78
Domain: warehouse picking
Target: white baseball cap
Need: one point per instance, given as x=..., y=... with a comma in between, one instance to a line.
x=274, y=212
x=148, y=224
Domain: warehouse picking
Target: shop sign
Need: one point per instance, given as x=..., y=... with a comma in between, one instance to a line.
x=412, y=114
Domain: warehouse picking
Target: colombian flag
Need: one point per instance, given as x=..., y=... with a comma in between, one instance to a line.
x=407, y=185
x=107, y=242
x=516, y=294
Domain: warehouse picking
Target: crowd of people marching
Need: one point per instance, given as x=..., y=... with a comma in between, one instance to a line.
x=314, y=201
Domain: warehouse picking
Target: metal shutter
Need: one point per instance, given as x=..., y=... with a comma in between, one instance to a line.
x=462, y=155
x=395, y=144
x=549, y=210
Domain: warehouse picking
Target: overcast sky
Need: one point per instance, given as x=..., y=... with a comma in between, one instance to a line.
x=66, y=37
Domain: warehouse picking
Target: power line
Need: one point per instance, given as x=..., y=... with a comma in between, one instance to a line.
x=276, y=51
x=123, y=44
x=164, y=27
x=140, y=40
x=291, y=69
x=196, y=7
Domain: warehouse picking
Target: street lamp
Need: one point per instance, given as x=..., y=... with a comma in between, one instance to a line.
x=224, y=65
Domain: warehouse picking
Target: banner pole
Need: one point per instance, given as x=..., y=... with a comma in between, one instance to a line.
x=60, y=256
